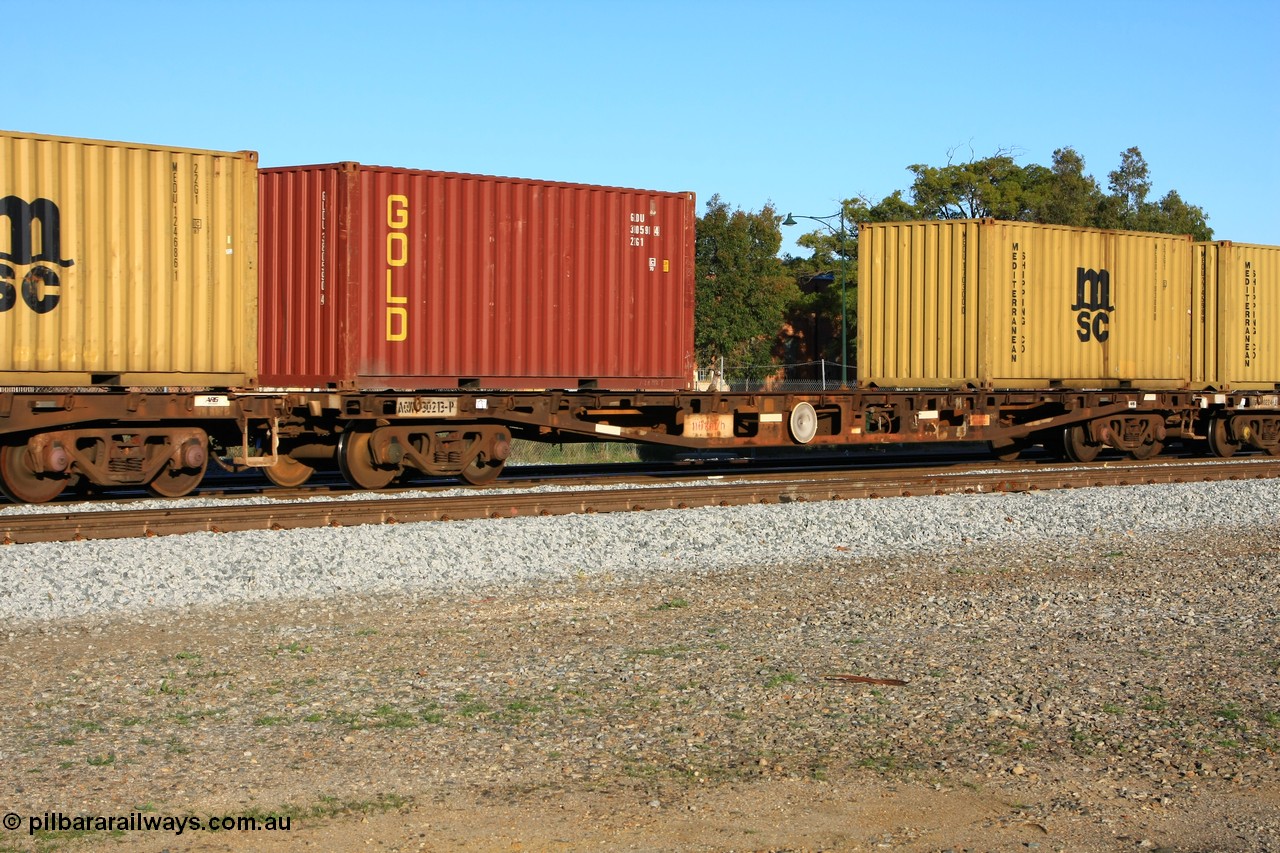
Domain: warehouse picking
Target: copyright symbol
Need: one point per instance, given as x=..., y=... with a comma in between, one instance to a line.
x=12, y=821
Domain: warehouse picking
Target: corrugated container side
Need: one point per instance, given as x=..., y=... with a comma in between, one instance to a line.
x=1019, y=305
x=125, y=264
x=915, y=283
x=1240, y=285
x=303, y=330
x=1204, y=325
x=1087, y=304
x=412, y=279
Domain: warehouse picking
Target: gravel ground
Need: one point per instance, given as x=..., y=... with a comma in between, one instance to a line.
x=63, y=580
x=1095, y=669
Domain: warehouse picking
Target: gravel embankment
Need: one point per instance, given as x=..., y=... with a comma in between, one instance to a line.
x=1085, y=670
x=111, y=577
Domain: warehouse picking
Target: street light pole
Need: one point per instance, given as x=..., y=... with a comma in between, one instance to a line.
x=844, y=324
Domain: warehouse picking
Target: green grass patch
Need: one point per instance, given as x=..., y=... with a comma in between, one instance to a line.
x=349, y=719
x=388, y=717
x=1154, y=702
x=521, y=706
x=676, y=651
x=473, y=709
x=1230, y=712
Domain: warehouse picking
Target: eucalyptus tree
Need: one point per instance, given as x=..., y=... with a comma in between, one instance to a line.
x=742, y=290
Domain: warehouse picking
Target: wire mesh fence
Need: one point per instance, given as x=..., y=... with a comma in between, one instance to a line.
x=524, y=452
x=822, y=375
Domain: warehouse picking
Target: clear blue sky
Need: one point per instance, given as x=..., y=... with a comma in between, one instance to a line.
x=796, y=103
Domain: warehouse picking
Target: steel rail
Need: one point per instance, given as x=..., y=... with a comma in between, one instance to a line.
x=749, y=489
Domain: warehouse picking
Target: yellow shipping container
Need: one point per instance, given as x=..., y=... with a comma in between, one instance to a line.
x=991, y=304
x=1237, y=346
x=124, y=264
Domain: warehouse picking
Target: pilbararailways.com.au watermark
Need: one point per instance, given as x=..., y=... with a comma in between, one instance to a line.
x=143, y=822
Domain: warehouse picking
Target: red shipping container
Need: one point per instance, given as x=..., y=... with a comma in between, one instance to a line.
x=377, y=278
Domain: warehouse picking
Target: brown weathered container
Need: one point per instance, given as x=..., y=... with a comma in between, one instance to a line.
x=1237, y=339
x=391, y=278
x=991, y=304
x=125, y=264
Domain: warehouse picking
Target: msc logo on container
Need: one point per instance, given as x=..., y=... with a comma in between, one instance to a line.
x=1093, y=305
x=39, y=286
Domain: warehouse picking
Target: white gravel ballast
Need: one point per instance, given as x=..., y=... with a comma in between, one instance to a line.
x=119, y=577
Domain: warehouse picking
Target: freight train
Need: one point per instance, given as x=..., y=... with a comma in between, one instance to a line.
x=163, y=308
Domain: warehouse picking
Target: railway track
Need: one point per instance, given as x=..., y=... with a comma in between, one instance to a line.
x=727, y=490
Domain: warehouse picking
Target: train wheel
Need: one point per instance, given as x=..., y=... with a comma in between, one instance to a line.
x=492, y=449
x=1220, y=443
x=356, y=462
x=288, y=473
x=1076, y=445
x=177, y=482
x=21, y=483
x=480, y=473
x=1147, y=451
x=181, y=475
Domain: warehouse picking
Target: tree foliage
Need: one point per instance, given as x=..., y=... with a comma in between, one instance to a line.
x=1059, y=194
x=1062, y=193
x=826, y=282
x=742, y=288
x=992, y=187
